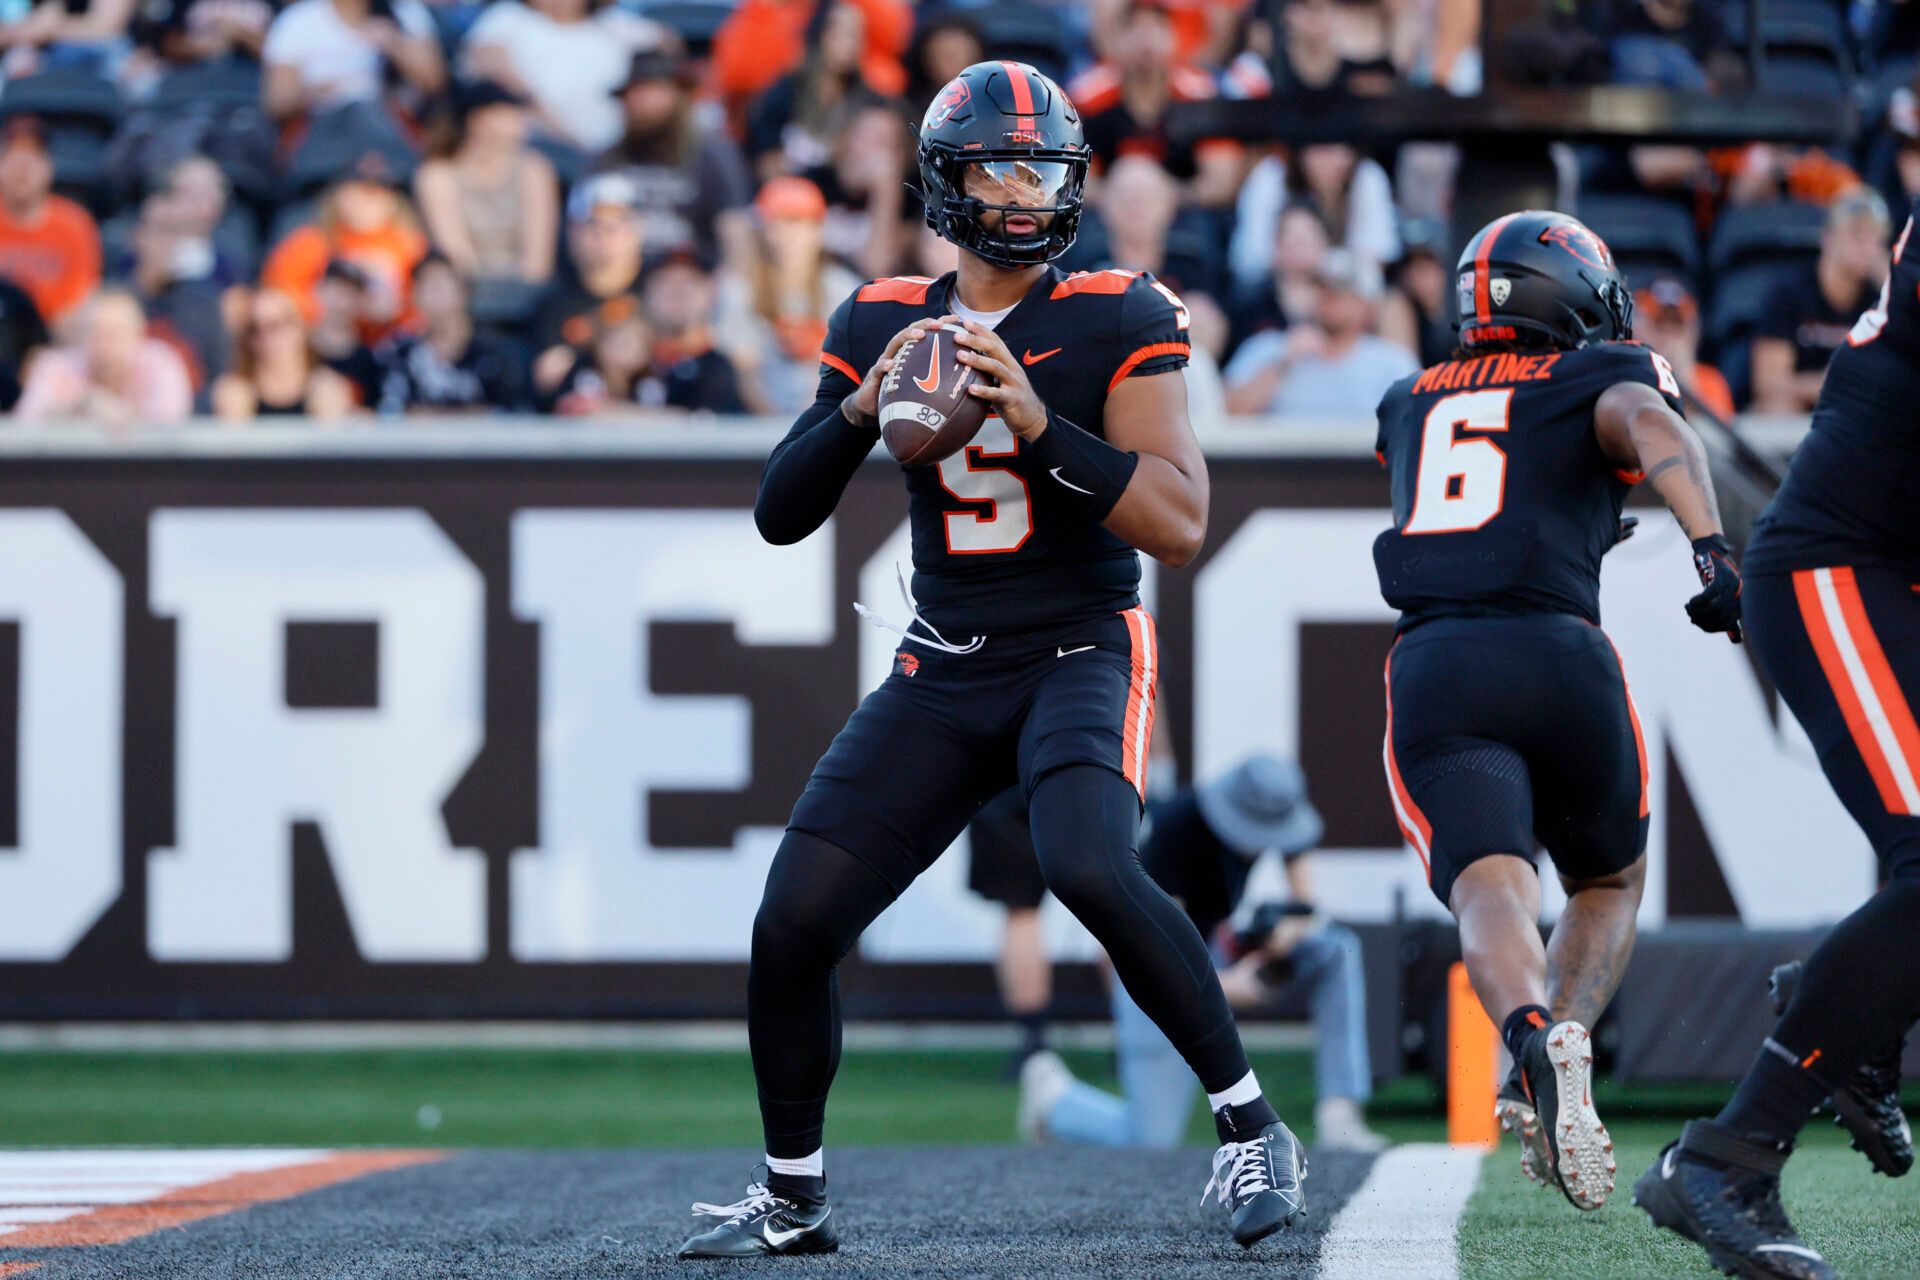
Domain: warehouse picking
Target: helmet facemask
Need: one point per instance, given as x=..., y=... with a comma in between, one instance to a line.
x=967, y=190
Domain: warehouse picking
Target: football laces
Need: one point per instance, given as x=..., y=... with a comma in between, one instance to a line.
x=891, y=383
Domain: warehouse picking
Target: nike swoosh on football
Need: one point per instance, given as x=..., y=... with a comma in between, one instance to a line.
x=933, y=369
x=1029, y=358
x=1055, y=473
x=778, y=1238
x=1061, y=653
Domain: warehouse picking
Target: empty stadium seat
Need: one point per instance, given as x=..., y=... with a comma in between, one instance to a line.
x=1029, y=33
x=694, y=21
x=1799, y=76
x=1782, y=231
x=228, y=83
x=1739, y=297
x=1645, y=230
x=65, y=98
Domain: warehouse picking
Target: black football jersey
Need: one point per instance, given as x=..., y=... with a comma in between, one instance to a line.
x=997, y=545
x=1503, y=502
x=1852, y=495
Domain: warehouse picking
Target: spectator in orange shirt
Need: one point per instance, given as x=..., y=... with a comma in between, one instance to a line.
x=791, y=127
x=1666, y=318
x=367, y=221
x=49, y=245
x=765, y=39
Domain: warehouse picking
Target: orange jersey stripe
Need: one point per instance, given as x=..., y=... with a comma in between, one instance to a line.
x=911, y=289
x=1147, y=352
x=1112, y=280
x=833, y=361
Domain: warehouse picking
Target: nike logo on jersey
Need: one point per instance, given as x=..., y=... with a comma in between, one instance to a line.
x=1061, y=653
x=1029, y=358
x=931, y=383
x=1055, y=473
x=778, y=1238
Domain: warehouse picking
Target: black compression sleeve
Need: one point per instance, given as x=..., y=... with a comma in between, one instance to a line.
x=809, y=469
x=1086, y=466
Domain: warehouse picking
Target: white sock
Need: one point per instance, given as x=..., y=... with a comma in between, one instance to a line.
x=1237, y=1094
x=815, y=1165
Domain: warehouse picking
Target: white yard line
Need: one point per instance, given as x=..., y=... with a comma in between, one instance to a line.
x=1405, y=1219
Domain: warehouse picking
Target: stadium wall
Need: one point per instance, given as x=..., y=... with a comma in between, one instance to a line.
x=496, y=721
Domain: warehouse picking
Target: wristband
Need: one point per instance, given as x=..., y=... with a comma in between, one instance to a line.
x=1089, y=470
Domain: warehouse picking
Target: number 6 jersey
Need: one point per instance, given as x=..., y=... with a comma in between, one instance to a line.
x=997, y=544
x=1503, y=502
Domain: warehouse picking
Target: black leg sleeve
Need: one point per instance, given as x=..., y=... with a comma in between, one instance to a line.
x=819, y=899
x=1085, y=823
x=1859, y=993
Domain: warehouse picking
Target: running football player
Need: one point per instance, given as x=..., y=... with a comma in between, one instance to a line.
x=1833, y=607
x=1509, y=724
x=1027, y=658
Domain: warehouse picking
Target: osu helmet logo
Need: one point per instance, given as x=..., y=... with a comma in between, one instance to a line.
x=1501, y=289
x=909, y=664
x=1579, y=242
x=951, y=99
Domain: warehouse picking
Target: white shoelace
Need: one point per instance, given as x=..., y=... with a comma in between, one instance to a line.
x=939, y=641
x=758, y=1199
x=1246, y=1172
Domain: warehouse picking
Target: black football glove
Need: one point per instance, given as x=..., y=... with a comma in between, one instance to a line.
x=1717, y=607
x=1627, y=526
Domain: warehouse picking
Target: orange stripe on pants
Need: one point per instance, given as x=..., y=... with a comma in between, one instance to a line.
x=1633, y=714
x=1414, y=827
x=1879, y=719
x=1136, y=728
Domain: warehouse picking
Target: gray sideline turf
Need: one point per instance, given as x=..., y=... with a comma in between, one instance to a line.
x=1053, y=1212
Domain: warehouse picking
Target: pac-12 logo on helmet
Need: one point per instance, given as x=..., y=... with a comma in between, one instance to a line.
x=1579, y=241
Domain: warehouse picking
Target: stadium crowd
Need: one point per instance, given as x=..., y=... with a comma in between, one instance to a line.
x=393, y=207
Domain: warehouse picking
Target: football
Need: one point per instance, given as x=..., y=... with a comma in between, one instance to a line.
x=925, y=411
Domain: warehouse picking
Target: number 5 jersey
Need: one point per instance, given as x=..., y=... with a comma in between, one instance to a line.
x=1503, y=502
x=998, y=545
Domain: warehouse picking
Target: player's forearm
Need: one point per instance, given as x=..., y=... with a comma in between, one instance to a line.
x=1675, y=464
x=808, y=471
x=1163, y=511
x=1141, y=497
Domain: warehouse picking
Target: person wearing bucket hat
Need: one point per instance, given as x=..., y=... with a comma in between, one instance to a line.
x=1200, y=847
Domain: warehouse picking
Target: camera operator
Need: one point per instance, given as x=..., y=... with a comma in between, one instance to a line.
x=1200, y=846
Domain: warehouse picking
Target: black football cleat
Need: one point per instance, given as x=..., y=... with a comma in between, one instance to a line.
x=763, y=1224
x=1516, y=1114
x=1556, y=1073
x=1722, y=1192
x=1260, y=1183
x=1867, y=1103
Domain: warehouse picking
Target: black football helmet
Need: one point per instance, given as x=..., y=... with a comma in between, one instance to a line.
x=1019, y=125
x=1539, y=274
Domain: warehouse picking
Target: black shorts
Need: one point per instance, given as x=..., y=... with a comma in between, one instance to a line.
x=1842, y=645
x=1002, y=866
x=947, y=732
x=1509, y=734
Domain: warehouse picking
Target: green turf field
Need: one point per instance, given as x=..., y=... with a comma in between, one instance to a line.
x=615, y=1098
x=530, y=1098
x=1865, y=1225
